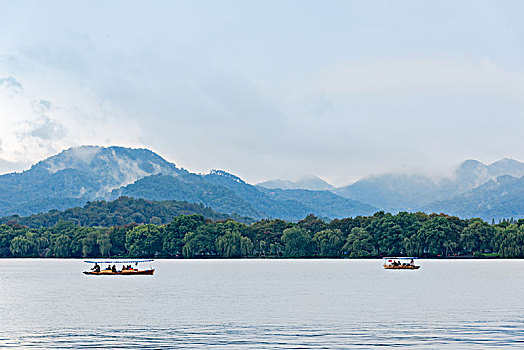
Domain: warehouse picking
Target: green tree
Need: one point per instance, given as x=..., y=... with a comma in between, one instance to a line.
x=144, y=241
x=233, y=245
x=23, y=246
x=329, y=242
x=312, y=224
x=477, y=236
x=269, y=232
x=434, y=236
x=246, y=246
x=176, y=230
x=344, y=225
x=90, y=246
x=388, y=236
x=297, y=242
x=62, y=247
x=197, y=243
x=6, y=235
x=510, y=241
x=359, y=243
x=104, y=244
x=117, y=235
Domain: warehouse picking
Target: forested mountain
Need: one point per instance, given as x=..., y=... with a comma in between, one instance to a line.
x=122, y=211
x=290, y=204
x=90, y=173
x=190, y=188
x=75, y=176
x=82, y=174
x=397, y=192
x=502, y=197
x=323, y=203
x=228, y=193
x=306, y=183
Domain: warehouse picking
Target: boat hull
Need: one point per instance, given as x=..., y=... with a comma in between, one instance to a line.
x=121, y=273
x=401, y=267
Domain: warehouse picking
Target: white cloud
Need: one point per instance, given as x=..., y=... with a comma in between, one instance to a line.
x=417, y=74
x=11, y=84
x=340, y=91
x=38, y=122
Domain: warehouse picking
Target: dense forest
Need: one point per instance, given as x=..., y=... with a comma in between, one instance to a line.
x=382, y=234
x=121, y=211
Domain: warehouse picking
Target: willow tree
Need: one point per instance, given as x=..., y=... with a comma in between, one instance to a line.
x=329, y=242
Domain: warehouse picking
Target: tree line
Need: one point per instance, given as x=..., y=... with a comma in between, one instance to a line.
x=121, y=211
x=188, y=236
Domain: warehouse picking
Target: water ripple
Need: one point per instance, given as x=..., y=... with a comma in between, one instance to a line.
x=230, y=336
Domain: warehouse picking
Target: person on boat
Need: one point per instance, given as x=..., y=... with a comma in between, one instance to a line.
x=108, y=267
x=412, y=263
x=113, y=268
x=96, y=268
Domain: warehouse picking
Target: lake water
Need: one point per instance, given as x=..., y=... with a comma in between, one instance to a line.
x=263, y=304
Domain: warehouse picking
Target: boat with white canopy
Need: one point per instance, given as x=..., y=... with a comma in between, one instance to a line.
x=127, y=268
x=391, y=263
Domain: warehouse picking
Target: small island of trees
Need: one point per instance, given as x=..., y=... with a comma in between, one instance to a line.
x=190, y=236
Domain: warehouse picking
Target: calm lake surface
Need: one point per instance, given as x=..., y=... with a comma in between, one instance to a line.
x=261, y=304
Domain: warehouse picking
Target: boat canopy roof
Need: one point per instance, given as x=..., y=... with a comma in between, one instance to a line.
x=392, y=258
x=117, y=261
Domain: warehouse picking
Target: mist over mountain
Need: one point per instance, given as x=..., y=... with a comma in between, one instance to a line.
x=81, y=174
x=306, y=183
x=75, y=176
x=496, y=199
x=78, y=175
x=411, y=192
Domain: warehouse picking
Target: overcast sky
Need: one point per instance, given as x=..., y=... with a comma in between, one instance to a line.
x=265, y=89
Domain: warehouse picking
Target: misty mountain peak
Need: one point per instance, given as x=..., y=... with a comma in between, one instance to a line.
x=225, y=174
x=114, y=166
x=506, y=166
x=471, y=165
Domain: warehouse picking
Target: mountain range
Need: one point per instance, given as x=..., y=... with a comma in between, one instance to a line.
x=473, y=189
x=91, y=173
x=81, y=174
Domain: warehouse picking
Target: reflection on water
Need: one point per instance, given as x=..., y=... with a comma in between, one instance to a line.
x=254, y=304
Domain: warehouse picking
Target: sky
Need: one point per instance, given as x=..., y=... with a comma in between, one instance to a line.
x=265, y=89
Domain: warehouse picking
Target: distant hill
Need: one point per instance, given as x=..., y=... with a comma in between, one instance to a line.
x=396, y=192
x=290, y=204
x=501, y=198
x=322, y=203
x=91, y=173
x=75, y=176
x=122, y=211
x=306, y=183
x=190, y=188
x=228, y=193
